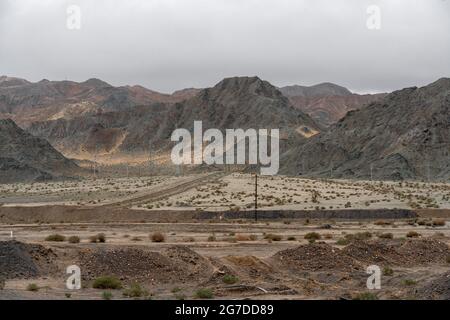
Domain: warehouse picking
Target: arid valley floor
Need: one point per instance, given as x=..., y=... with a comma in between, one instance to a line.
x=194, y=236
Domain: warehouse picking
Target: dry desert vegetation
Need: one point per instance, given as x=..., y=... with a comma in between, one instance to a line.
x=194, y=237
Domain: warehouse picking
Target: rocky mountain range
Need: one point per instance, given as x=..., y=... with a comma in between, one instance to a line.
x=24, y=157
x=245, y=102
x=27, y=102
x=406, y=135
x=401, y=135
x=327, y=103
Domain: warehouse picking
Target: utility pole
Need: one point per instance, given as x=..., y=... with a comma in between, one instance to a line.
x=95, y=162
x=331, y=170
x=150, y=157
x=256, y=197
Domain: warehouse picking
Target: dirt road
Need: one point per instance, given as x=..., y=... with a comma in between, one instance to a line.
x=168, y=191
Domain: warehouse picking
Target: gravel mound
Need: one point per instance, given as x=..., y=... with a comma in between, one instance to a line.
x=374, y=252
x=425, y=251
x=315, y=257
x=176, y=264
x=437, y=289
x=23, y=261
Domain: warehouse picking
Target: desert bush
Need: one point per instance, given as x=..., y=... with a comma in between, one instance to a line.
x=180, y=296
x=98, y=238
x=212, y=238
x=242, y=237
x=409, y=282
x=204, y=293
x=412, y=234
x=32, y=287
x=386, y=236
x=313, y=236
x=388, y=271
x=107, y=282
x=158, y=237
x=291, y=238
x=366, y=296
x=74, y=239
x=107, y=295
x=230, y=279
x=328, y=236
x=343, y=242
x=135, y=291
x=382, y=223
x=101, y=237
x=273, y=237
x=448, y=259
x=55, y=238
x=2, y=283
x=439, y=222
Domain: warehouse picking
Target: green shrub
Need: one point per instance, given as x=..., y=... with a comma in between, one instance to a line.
x=388, y=271
x=107, y=295
x=107, y=282
x=55, y=238
x=204, y=293
x=230, y=279
x=409, y=282
x=32, y=287
x=180, y=296
x=74, y=239
x=135, y=291
x=366, y=296
x=342, y=242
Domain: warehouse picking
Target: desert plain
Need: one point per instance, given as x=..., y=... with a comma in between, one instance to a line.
x=195, y=236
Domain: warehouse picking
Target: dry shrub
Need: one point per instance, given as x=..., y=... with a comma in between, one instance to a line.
x=158, y=237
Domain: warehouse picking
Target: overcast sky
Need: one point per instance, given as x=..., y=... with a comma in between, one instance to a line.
x=167, y=45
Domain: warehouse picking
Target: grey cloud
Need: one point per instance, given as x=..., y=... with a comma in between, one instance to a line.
x=171, y=44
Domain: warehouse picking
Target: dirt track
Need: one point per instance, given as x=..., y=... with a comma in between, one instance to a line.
x=168, y=191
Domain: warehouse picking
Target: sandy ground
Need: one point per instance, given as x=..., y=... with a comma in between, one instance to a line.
x=271, y=259
x=234, y=191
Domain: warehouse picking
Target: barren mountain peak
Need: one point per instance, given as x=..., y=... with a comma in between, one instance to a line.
x=96, y=83
x=248, y=85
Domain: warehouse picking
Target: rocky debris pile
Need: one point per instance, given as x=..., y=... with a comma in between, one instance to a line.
x=23, y=261
x=316, y=257
x=177, y=264
x=437, y=289
x=360, y=254
x=374, y=252
x=251, y=266
x=425, y=251
x=197, y=266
